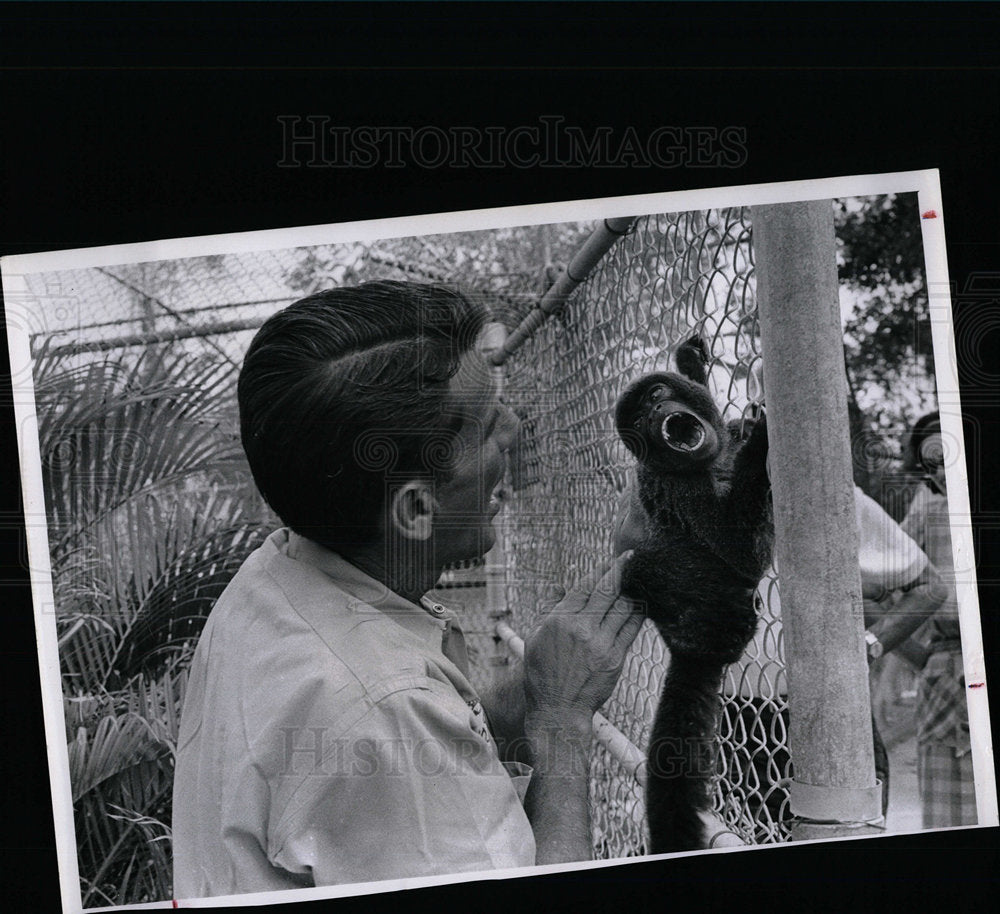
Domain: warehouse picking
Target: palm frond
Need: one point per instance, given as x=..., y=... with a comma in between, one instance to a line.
x=111, y=432
x=170, y=565
x=121, y=774
x=138, y=456
x=116, y=857
x=115, y=746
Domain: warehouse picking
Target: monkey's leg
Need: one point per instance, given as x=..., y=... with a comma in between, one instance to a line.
x=682, y=754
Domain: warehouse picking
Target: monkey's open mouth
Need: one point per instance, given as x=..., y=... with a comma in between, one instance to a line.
x=683, y=431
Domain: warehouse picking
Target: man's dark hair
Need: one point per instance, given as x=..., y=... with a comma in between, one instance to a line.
x=923, y=428
x=347, y=390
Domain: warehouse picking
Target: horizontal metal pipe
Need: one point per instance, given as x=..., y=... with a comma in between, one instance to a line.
x=619, y=746
x=157, y=336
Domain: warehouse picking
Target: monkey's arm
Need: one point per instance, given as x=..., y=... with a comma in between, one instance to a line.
x=747, y=527
x=631, y=522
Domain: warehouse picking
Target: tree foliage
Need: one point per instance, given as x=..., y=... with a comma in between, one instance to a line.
x=887, y=331
x=143, y=483
x=887, y=335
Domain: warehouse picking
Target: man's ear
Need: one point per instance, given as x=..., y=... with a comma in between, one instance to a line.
x=411, y=511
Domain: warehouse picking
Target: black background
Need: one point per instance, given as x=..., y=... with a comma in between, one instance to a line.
x=125, y=123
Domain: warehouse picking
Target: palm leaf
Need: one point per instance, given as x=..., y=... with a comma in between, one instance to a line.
x=137, y=454
x=170, y=567
x=121, y=775
x=115, y=746
x=110, y=433
x=109, y=844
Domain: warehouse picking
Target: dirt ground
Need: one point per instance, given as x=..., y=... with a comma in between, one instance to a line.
x=894, y=694
x=904, y=799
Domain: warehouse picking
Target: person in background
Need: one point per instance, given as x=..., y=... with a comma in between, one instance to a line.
x=901, y=588
x=944, y=757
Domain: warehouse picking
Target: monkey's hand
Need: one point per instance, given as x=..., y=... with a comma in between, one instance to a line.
x=692, y=359
x=747, y=535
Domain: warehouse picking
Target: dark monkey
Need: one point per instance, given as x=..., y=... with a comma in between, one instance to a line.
x=704, y=489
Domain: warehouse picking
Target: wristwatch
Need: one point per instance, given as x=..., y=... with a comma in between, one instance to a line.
x=875, y=648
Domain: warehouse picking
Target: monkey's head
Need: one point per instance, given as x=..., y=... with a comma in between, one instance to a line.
x=670, y=423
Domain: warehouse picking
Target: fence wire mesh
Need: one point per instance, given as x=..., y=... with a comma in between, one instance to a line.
x=672, y=276
x=208, y=309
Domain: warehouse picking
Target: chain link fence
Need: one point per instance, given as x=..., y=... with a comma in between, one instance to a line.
x=209, y=308
x=672, y=276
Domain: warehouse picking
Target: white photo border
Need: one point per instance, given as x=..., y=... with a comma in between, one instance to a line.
x=925, y=183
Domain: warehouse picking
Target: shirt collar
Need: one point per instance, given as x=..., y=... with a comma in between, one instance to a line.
x=427, y=620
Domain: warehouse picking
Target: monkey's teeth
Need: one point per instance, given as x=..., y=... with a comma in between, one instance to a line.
x=682, y=426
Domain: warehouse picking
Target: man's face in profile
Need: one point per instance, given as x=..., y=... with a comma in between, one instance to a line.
x=469, y=500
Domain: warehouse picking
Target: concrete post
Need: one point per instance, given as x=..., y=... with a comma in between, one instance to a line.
x=816, y=550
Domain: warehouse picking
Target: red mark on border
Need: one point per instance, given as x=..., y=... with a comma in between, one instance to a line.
x=175, y=903
x=976, y=685
x=930, y=214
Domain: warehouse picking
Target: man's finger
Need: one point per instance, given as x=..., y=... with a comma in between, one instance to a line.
x=630, y=625
x=589, y=581
x=620, y=611
x=608, y=588
x=580, y=593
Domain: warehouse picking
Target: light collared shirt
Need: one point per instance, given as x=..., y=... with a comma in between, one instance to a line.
x=325, y=739
x=887, y=557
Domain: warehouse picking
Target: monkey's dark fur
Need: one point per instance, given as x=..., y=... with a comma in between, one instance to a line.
x=705, y=491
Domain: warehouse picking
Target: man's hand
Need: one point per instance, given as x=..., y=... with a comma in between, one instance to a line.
x=571, y=664
x=574, y=658
x=630, y=519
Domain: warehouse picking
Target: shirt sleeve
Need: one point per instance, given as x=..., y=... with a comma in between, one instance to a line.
x=927, y=521
x=887, y=556
x=412, y=789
